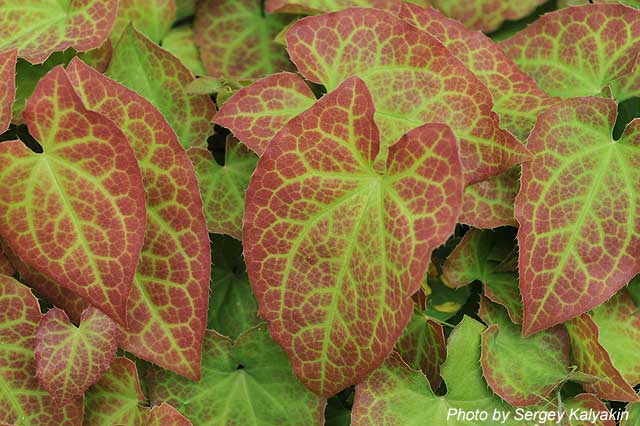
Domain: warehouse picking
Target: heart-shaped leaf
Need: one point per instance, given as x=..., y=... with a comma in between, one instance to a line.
x=413, y=78
x=69, y=358
x=168, y=303
x=40, y=27
x=22, y=401
x=579, y=230
x=76, y=211
x=342, y=245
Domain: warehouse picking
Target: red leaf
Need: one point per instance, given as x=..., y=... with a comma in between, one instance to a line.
x=7, y=86
x=165, y=415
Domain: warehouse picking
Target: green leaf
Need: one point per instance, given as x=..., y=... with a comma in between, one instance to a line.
x=311, y=7
x=151, y=18
x=179, y=41
x=634, y=415
x=334, y=248
x=69, y=358
x=165, y=415
x=394, y=395
x=223, y=186
x=237, y=40
x=161, y=78
x=248, y=382
x=37, y=28
x=22, y=401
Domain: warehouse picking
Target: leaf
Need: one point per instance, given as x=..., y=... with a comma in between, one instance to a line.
x=7, y=86
x=233, y=308
x=479, y=256
x=523, y=370
x=634, y=290
x=422, y=346
x=518, y=99
x=6, y=268
x=71, y=359
x=489, y=203
x=394, y=395
x=167, y=306
x=165, y=415
x=576, y=251
x=441, y=301
x=618, y=321
x=117, y=398
x=485, y=15
x=591, y=358
x=583, y=403
x=334, y=249
x=413, y=80
x=223, y=186
x=312, y=7
x=179, y=41
x=252, y=382
x=69, y=213
x=22, y=401
x=256, y=113
x=185, y=8
x=40, y=27
x=580, y=50
x=161, y=78
x=151, y=18
x=633, y=411
x=237, y=40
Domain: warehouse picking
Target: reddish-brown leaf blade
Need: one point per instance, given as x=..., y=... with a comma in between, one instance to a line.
x=71, y=359
x=591, y=358
x=165, y=415
x=257, y=112
x=76, y=212
x=489, y=203
x=167, y=308
x=7, y=86
x=486, y=15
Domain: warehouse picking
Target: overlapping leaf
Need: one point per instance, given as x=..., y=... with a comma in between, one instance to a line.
x=161, y=78
x=167, y=307
x=580, y=50
x=422, y=346
x=320, y=6
x=180, y=42
x=522, y=370
x=117, y=399
x=489, y=203
x=394, y=395
x=37, y=28
x=7, y=86
x=335, y=249
x=22, y=401
x=6, y=268
x=165, y=415
x=579, y=224
x=591, y=358
x=586, y=403
x=618, y=321
x=151, y=18
x=223, y=186
x=257, y=112
x=518, y=99
x=413, y=78
x=237, y=40
x=75, y=212
x=246, y=382
x=71, y=359
x=634, y=415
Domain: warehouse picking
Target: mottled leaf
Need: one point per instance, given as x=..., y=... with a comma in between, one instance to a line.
x=7, y=86
x=583, y=403
x=236, y=39
x=255, y=114
x=233, y=308
x=618, y=321
x=40, y=27
x=523, y=370
x=517, y=98
x=580, y=50
x=223, y=186
x=161, y=78
x=413, y=79
x=489, y=203
x=117, y=398
x=167, y=306
x=75, y=212
x=22, y=401
x=422, y=346
x=151, y=18
x=70, y=359
x=591, y=358
x=579, y=226
x=180, y=42
x=394, y=395
x=165, y=415
x=321, y=6
x=335, y=249
x=441, y=301
x=247, y=382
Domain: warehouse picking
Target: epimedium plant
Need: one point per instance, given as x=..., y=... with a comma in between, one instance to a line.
x=393, y=219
